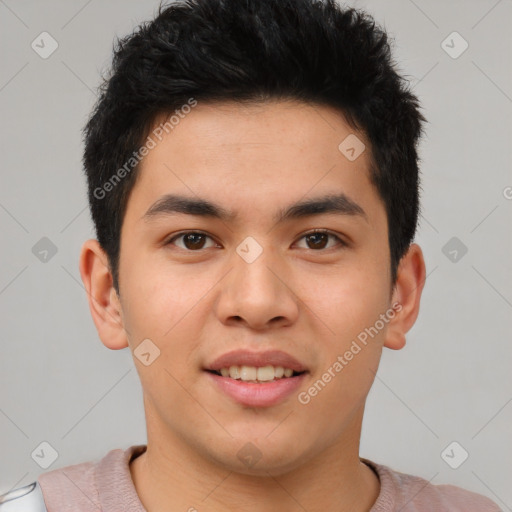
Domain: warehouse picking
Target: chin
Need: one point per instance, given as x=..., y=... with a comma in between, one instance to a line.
x=260, y=456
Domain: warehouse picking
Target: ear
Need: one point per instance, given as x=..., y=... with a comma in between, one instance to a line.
x=104, y=303
x=406, y=297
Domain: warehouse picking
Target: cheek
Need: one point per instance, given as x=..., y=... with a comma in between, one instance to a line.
x=164, y=308
x=346, y=300
x=161, y=301
x=348, y=306
x=340, y=384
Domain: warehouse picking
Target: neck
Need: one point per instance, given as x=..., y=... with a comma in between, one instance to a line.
x=171, y=475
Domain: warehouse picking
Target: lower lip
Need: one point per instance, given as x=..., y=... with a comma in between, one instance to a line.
x=252, y=394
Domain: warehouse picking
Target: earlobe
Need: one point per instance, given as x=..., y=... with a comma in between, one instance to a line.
x=407, y=296
x=103, y=301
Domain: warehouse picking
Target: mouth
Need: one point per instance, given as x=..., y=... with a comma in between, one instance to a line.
x=256, y=379
x=255, y=374
x=256, y=393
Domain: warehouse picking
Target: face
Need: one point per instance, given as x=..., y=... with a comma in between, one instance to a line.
x=201, y=286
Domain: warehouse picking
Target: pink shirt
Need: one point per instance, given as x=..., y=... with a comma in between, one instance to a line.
x=107, y=486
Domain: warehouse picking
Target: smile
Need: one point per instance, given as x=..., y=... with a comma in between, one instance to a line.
x=252, y=392
x=256, y=374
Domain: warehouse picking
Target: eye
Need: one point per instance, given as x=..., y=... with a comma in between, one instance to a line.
x=318, y=239
x=195, y=240
x=192, y=240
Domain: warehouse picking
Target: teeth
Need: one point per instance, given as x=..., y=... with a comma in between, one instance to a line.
x=234, y=372
x=248, y=373
x=256, y=374
x=265, y=373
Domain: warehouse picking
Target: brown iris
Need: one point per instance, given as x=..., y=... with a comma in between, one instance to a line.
x=193, y=240
x=316, y=236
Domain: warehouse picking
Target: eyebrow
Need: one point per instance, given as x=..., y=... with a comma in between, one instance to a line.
x=171, y=204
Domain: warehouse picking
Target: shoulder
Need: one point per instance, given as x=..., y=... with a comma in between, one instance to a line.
x=409, y=493
x=93, y=485
x=74, y=484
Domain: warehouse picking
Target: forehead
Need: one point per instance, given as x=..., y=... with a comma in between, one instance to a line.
x=270, y=126
x=241, y=154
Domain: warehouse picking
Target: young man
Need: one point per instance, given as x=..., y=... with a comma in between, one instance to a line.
x=253, y=181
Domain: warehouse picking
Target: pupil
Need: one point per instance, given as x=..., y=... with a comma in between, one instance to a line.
x=192, y=237
x=314, y=236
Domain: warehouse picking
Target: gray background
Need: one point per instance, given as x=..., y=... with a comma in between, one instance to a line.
x=452, y=382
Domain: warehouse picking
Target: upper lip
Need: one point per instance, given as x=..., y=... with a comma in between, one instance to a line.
x=247, y=358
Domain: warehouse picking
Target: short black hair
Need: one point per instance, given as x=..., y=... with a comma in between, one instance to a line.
x=314, y=51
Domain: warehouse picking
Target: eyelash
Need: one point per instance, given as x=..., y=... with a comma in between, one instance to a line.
x=341, y=242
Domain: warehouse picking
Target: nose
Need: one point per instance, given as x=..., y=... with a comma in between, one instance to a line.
x=258, y=294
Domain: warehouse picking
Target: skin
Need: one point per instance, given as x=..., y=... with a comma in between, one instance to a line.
x=310, y=302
